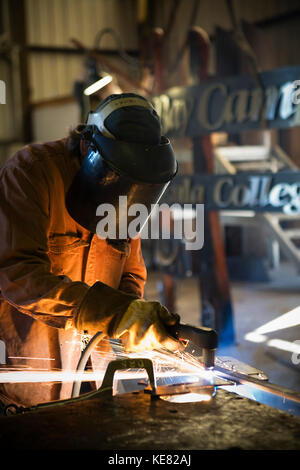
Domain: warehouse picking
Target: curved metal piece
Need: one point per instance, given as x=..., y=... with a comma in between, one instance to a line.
x=125, y=364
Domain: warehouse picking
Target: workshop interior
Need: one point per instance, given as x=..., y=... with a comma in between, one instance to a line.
x=216, y=283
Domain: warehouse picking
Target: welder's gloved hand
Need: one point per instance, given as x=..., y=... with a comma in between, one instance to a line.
x=144, y=327
x=141, y=325
x=101, y=308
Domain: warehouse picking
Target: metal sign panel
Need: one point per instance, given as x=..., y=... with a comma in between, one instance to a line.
x=259, y=192
x=233, y=104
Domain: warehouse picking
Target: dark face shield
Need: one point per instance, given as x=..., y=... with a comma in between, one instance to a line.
x=115, y=176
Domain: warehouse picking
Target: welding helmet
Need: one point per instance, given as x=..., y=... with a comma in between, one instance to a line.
x=128, y=157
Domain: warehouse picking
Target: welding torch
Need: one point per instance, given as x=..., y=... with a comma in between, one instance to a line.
x=202, y=337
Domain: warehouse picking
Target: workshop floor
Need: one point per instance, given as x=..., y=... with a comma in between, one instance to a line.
x=254, y=305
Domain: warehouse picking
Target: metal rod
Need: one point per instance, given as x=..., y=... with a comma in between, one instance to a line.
x=262, y=391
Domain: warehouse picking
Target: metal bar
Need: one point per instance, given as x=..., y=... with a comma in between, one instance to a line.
x=250, y=382
x=71, y=50
x=278, y=19
x=261, y=391
x=53, y=102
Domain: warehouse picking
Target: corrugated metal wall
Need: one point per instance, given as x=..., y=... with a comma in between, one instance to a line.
x=51, y=75
x=55, y=22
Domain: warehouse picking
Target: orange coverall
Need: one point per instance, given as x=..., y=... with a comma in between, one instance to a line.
x=47, y=264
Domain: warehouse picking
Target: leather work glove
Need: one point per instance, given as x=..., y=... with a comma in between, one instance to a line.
x=146, y=326
x=116, y=313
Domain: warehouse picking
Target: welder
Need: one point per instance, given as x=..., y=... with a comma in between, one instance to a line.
x=58, y=279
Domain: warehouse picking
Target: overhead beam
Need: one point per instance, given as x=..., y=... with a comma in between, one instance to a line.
x=74, y=51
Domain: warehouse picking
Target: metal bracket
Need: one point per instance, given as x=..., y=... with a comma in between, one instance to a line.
x=106, y=386
x=234, y=365
x=124, y=364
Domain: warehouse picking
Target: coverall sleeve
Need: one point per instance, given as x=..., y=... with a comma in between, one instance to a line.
x=26, y=281
x=134, y=272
